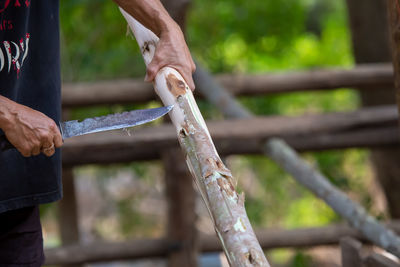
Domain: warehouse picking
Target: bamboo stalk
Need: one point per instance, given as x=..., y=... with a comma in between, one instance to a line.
x=215, y=182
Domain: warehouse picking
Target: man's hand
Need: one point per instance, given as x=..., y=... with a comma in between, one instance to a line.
x=30, y=131
x=171, y=49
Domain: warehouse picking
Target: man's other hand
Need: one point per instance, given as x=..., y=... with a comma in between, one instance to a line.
x=172, y=51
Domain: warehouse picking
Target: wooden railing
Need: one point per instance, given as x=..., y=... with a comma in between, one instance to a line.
x=367, y=127
x=365, y=77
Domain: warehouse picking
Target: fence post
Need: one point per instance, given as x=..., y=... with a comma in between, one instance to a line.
x=371, y=44
x=351, y=252
x=181, y=198
x=68, y=211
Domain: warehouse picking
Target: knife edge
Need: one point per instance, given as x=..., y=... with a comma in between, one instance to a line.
x=111, y=122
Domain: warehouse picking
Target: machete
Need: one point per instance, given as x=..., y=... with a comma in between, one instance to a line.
x=100, y=124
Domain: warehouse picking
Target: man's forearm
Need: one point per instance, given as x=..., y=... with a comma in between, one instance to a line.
x=150, y=13
x=171, y=49
x=7, y=110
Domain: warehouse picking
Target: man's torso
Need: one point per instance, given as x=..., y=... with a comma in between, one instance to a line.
x=30, y=75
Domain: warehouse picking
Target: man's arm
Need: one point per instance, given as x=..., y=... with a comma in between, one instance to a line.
x=171, y=50
x=30, y=131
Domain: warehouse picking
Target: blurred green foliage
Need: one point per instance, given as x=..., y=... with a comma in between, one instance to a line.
x=258, y=36
x=94, y=42
x=239, y=36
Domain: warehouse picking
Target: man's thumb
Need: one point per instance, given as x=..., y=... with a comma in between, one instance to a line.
x=151, y=71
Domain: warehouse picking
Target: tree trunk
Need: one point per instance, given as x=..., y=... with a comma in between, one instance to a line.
x=369, y=27
x=214, y=180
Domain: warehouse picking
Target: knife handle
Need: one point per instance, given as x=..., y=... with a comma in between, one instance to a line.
x=5, y=144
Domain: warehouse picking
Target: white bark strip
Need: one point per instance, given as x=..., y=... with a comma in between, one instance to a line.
x=214, y=180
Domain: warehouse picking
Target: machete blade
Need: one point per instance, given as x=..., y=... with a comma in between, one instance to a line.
x=111, y=122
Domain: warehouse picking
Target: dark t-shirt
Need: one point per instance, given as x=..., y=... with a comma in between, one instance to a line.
x=30, y=75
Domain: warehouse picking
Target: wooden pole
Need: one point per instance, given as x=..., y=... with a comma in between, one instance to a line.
x=317, y=183
x=221, y=98
x=368, y=77
x=214, y=181
x=68, y=221
x=159, y=248
x=181, y=197
x=371, y=44
x=351, y=252
x=378, y=260
x=68, y=212
x=394, y=23
x=372, y=127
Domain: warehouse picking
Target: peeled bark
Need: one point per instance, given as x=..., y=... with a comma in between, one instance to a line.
x=215, y=182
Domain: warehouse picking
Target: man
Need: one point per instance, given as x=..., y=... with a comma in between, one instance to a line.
x=30, y=107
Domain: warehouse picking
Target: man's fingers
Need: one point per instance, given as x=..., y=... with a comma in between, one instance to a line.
x=35, y=148
x=25, y=151
x=152, y=70
x=26, y=154
x=156, y=64
x=189, y=80
x=49, y=151
x=191, y=84
x=193, y=65
x=50, y=145
x=35, y=151
x=58, y=141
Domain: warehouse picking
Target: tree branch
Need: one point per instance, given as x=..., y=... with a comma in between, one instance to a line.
x=215, y=182
x=355, y=214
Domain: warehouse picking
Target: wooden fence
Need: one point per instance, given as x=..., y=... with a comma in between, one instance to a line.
x=373, y=126
x=366, y=127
